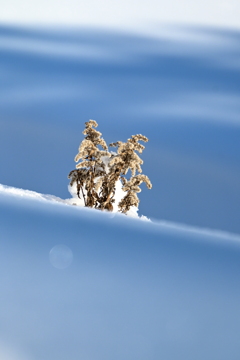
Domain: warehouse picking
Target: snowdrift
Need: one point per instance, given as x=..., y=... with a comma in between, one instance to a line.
x=131, y=289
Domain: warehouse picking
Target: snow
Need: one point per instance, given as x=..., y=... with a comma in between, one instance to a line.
x=27, y=194
x=77, y=283
x=4, y=189
x=75, y=200
x=130, y=289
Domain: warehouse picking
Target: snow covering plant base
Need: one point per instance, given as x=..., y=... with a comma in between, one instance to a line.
x=119, y=194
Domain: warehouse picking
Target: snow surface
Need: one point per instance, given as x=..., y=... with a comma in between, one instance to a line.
x=134, y=289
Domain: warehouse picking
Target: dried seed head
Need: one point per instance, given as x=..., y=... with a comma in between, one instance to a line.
x=91, y=123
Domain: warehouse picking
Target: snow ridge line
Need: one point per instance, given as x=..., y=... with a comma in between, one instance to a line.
x=169, y=225
x=220, y=234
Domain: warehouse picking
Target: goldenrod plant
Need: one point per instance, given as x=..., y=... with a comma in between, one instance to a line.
x=99, y=172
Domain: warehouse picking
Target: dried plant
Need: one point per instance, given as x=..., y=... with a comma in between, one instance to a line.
x=132, y=188
x=99, y=170
x=91, y=165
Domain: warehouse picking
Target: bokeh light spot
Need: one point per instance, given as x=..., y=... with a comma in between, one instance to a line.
x=61, y=256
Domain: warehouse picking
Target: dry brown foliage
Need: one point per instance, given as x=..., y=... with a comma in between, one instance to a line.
x=98, y=170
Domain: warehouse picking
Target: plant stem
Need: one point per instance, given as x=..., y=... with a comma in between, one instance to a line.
x=83, y=196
